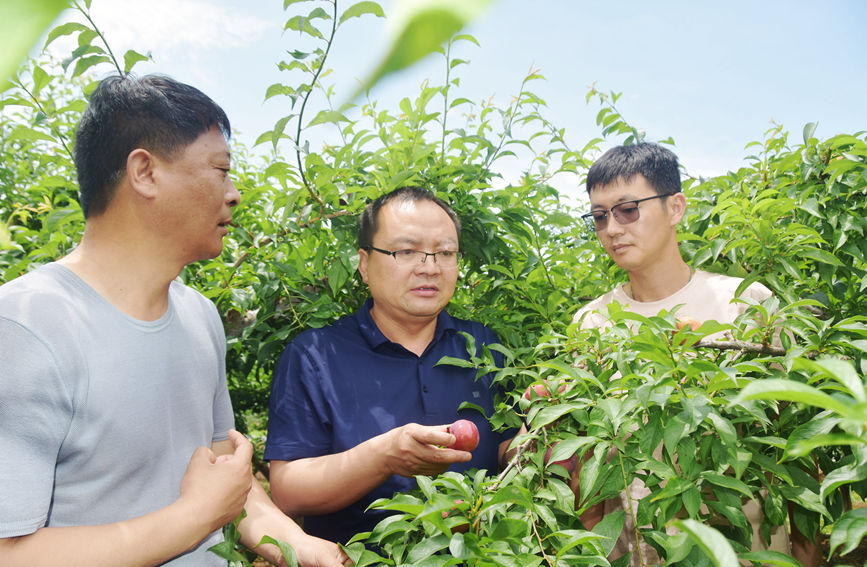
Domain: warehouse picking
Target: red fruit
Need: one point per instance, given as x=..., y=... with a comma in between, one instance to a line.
x=466, y=435
x=568, y=464
x=684, y=321
x=447, y=514
x=460, y=527
x=540, y=389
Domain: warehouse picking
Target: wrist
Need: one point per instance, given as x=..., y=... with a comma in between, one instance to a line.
x=194, y=524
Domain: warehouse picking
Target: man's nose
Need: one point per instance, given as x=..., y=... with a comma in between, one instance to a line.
x=233, y=196
x=427, y=265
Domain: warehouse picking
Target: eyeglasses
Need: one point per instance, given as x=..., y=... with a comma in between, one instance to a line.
x=445, y=259
x=625, y=213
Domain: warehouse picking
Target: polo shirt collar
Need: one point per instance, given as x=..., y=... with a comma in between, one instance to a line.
x=374, y=336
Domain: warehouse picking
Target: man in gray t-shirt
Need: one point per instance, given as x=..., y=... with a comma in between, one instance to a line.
x=115, y=421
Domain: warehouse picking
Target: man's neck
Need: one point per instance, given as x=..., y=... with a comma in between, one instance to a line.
x=414, y=334
x=658, y=281
x=124, y=270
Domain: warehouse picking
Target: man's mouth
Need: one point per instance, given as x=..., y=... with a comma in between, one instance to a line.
x=426, y=288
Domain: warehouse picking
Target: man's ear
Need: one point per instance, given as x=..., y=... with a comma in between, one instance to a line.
x=140, y=165
x=676, y=207
x=362, y=264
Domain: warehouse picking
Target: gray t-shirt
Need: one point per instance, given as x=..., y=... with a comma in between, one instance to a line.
x=99, y=412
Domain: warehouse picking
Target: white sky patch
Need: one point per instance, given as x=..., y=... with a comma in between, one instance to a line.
x=172, y=28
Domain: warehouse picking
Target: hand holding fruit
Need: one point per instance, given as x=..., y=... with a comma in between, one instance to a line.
x=415, y=449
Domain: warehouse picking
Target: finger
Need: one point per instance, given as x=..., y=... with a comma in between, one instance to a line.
x=434, y=435
x=447, y=455
x=243, y=446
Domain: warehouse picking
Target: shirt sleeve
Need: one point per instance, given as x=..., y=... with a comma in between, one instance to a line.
x=223, y=416
x=36, y=408
x=299, y=420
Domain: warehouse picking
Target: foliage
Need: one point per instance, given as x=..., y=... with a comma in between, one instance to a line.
x=20, y=26
x=705, y=428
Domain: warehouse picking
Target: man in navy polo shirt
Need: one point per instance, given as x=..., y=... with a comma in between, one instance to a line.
x=358, y=408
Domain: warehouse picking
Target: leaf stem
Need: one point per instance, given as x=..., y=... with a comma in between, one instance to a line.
x=319, y=69
x=86, y=14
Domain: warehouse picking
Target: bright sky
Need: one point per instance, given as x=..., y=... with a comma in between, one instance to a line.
x=712, y=75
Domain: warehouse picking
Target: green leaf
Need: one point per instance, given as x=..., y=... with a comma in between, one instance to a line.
x=361, y=8
x=790, y=391
x=713, y=543
x=328, y=117
x=727, y=482
x=131, y=57
x=455, y=361
x=768, y=557
x=840, y=370
x=805, y=446
x=86, y=63
x=286, y=550
x=809, y=130
x=848, y=474
x=21, y=24
x=819, y=255
x=849, y=530
x=610, y=528
x=422, y=30
x=25, y=133
x=5, y=236
x=64, y=29
x=40, y=79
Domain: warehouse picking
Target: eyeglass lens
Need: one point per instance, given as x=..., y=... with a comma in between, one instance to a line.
x=445, y=258
x=625, y=213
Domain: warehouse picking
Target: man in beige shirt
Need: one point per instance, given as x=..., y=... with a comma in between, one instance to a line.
x=636, y=204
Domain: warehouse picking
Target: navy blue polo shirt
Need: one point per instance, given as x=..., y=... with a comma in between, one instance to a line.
x=340, y=385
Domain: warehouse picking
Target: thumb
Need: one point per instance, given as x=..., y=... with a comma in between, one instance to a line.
x=243, y=446
x=203, y=455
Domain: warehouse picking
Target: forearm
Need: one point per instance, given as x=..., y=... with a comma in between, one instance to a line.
x=321, y=485
x=263, y=518
x=147, y=540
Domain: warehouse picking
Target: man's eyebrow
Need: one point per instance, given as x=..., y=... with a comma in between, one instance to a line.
x=623, y=199
x=410, y=241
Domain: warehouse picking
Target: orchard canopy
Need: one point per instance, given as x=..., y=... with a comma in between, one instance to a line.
x=784, y=425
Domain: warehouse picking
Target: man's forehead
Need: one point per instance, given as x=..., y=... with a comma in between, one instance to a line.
x=398, y=216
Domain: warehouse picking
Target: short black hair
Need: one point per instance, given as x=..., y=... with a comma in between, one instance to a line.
x=368, y=221
x=653, y=162
x=125, y=113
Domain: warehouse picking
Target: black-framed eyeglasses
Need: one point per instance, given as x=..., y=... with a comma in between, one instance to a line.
x=442, y=258
x=625, y=213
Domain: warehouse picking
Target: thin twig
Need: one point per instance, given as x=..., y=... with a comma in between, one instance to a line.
x=513, y=462
x=304, y=105
x=539, y=539
x=741, y=345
